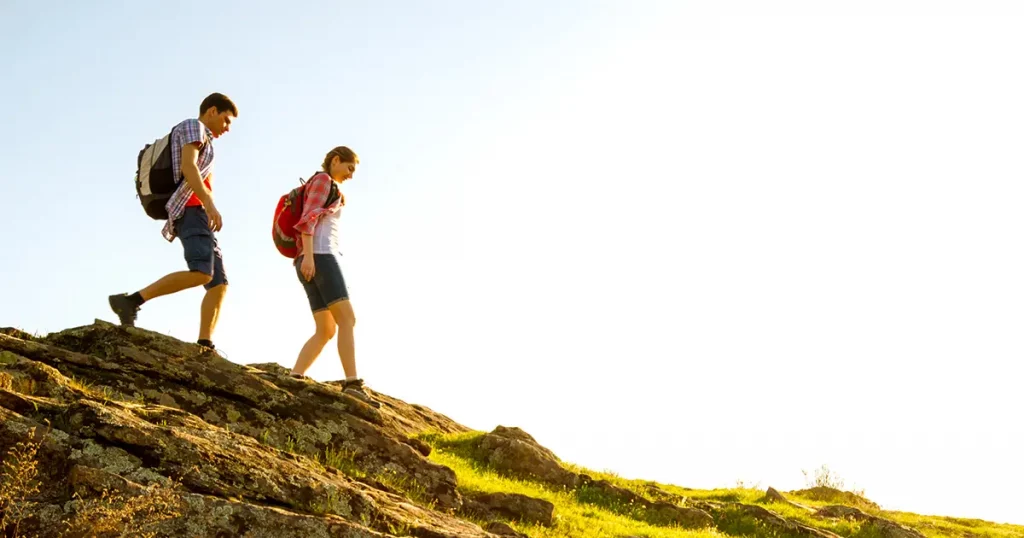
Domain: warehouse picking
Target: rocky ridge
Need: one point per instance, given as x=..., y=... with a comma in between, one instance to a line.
x=222, y=449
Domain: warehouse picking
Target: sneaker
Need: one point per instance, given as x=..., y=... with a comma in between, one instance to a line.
x=125, y=308
x=355, y=388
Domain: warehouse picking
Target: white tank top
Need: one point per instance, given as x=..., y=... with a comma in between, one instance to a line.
x=325, y=235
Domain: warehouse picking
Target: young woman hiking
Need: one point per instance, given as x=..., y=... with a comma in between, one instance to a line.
x=318, y=268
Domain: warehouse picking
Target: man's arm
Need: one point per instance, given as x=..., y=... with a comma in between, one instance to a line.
x=190, y=169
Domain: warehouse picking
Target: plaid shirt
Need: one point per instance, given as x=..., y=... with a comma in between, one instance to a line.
x=318, y=189
x=187, y=132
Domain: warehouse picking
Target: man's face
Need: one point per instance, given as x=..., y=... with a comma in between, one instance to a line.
x=220, y=123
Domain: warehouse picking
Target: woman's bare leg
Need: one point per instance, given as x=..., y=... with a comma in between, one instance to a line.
x=345, y=320
x=325, y=330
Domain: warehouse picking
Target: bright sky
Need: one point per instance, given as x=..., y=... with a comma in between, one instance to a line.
x=683, y=244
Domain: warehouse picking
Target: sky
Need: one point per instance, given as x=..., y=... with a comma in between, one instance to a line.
x=685, y=243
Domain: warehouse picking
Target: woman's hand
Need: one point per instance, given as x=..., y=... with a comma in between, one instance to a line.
x=308, y=268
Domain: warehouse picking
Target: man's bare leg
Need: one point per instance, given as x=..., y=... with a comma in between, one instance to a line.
x=127, y=306
x=210, y=311
x=173, y=283
x=325, y=330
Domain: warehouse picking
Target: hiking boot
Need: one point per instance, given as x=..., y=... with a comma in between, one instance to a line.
x=208, y=347
x=125, y=308
x=354, y=388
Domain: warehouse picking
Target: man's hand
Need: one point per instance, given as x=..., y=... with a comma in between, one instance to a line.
x=216, y=221
x=308, y=268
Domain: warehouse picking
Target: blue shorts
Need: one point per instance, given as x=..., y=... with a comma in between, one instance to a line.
x=327, y=286
x=202, y=253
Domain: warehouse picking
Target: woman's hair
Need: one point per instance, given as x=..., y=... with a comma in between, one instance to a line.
x=343, y=153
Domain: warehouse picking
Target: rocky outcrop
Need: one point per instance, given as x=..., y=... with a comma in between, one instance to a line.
x=658, y=494
x=727, y=514
x=513, y=451
x=124, y=421
x=511, y=506
x=773, y=495
x=248, y=450
x=503, y=529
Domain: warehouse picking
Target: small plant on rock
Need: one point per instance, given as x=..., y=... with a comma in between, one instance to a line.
x=18, y=483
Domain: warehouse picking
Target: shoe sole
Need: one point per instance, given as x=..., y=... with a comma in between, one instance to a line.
x=365, y=399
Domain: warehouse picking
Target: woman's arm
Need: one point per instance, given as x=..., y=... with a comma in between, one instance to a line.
x=316, y=193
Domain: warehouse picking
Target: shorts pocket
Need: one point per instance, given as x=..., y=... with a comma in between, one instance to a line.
x=198, y=251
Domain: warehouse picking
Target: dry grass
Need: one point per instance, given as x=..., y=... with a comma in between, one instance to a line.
x=111, y=514
x=17, y=484
x=123, y=515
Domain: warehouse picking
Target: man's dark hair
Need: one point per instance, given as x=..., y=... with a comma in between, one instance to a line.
x=220, y=101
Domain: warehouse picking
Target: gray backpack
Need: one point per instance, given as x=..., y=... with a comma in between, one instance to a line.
x=154, y=177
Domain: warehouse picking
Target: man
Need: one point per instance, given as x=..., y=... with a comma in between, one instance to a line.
x=193, y=217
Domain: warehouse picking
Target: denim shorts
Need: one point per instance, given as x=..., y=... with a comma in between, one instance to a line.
x=327, y=286
x=202, y=253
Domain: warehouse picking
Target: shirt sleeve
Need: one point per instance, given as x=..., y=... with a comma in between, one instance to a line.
x=317, y=191
x=191, y=132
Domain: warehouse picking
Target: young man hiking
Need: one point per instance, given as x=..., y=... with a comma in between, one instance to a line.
x=192, y=217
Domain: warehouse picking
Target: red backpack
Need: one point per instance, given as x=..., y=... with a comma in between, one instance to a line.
x=288, y=213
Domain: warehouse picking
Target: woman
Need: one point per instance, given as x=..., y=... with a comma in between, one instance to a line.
x=318, y=269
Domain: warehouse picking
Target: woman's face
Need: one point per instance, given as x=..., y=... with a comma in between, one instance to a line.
x=341, y=171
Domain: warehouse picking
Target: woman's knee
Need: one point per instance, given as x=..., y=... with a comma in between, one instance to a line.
x=326, y=328
x=325, y=333
x=343, y=314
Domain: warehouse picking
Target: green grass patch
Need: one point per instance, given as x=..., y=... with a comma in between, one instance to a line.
x=572, y=519
x=943, y=527
x=465, y=448
x=341, y=459
x=589, y=513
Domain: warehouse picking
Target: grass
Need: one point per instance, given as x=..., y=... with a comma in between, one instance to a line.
x=942, y=527
x=585, y=514
x=128, y=515
x=17, y=484
x=102, y=393
x=930, y=526
x=573, y=518
x=342, y=460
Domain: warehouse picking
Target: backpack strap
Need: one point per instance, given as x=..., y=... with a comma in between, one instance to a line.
x=333, y=195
